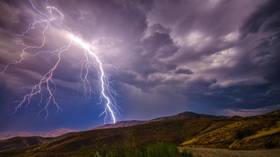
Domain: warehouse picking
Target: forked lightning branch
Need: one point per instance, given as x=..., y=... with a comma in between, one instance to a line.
x=46, y=82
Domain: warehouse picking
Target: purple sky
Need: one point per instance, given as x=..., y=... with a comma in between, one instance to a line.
x=161, y=57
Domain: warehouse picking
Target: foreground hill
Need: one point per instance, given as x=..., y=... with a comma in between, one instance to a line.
x=242, y=133
x=186, y=129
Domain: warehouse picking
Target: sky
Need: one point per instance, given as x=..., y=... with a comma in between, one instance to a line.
x=161, y=57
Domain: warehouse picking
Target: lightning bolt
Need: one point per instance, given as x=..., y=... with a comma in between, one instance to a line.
x=46, y=82
x=102, y=77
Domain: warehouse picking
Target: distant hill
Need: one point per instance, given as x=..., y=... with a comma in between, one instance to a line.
x=121, y=124
x=20, y=142
x=184, y=115
x=52, y=133
x=185, y=129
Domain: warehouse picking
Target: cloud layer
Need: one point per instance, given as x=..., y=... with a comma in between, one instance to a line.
x=162, y=56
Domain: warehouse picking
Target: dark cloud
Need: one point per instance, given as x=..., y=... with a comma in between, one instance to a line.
x=250, y=112
x=184, y=71
x=155, y=42
x=265, y=24
x=161, y=56
x=266, y=19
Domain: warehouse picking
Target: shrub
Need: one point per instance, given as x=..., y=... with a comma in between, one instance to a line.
x=270, y=145
x=154, y=150
x=186, y=154
x=240, y=134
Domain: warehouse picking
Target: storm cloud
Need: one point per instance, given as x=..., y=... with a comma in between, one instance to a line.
x=161, y=56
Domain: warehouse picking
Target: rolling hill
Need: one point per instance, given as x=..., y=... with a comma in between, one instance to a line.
x=185, y=130
x=242, y=133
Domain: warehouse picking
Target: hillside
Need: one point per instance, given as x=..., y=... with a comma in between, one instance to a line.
x=244, y=133
x=186, y=129
x=20, y=142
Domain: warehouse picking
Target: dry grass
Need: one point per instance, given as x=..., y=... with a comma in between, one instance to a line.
x=247, y=133
x=191, y=130
x=266, y=132
x=208, y=152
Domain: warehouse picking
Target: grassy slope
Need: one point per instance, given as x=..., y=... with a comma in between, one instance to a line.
x=172, y=131
x=244, y=133
x=191, y=130
x=208, y=152
x=20, y=142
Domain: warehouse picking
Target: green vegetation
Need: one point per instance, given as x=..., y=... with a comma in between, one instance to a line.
x=154, y=150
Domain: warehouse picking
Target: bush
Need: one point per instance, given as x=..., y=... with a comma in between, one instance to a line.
x=97, y=154
x=186, y=154
x=270, y=145
x=240, y=134
x=154, y=150
x=162, y=150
